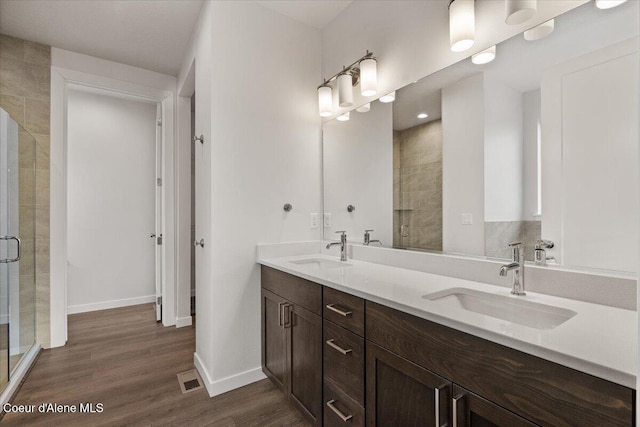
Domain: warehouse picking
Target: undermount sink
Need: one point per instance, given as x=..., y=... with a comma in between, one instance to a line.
x=321, y=262
x=512, y=309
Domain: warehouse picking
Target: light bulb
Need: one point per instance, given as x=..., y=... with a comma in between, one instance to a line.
x=390, y=97
x=423, y=115
x=485, y=56
x=368, y=77
x=325, y=101
x=344, y=117
x=462, y=25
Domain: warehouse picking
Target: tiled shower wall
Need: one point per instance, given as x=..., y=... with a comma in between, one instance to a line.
x=25, y=81
x=417, y=187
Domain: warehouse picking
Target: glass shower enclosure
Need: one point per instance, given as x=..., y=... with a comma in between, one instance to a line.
x=17, y=245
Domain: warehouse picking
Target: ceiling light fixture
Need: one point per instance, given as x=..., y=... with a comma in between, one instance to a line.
x=519, y=11
x=423, y=115
x=462, y=24
x=485, y=56
x=364, y=108
x=608, y=4
x=390, y=97
x=344, y=117
x=325, y=101
x=539, y=32
x=363, y=72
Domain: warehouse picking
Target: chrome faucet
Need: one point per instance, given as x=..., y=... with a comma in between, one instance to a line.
x=342, y=243
x=540, y=257
x=367, y=238
x=518, y=270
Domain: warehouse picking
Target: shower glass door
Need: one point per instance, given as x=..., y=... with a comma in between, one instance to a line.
x=17, y=244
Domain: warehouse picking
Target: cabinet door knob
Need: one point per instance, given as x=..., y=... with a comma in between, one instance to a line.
x=338, y=412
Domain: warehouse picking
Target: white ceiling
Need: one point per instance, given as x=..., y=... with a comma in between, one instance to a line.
x=315, y=13
x=143, y=33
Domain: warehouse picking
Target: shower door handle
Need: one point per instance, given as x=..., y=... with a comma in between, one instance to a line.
x=17, y=258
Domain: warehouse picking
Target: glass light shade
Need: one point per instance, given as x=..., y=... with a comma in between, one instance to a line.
x=344, y=117
x=485, y=56
x=345, y=90
x=608, y=4
x=519, y=11
x=540, y=32
x=365, y=108
x=423, y=115
x=368, y=77
x=325, y=101
x=390, y=97
x=462, y=25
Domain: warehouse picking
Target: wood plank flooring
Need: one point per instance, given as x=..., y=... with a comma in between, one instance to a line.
x=125, y=360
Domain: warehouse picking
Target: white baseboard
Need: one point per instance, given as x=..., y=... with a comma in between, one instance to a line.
x=104, y=305
x=181, y=322
x=18, y=375
x=215, y=388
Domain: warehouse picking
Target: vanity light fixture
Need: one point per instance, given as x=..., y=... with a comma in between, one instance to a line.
x=462, y=24
x=365, y=108
x=363, y=72
x=344, y=117
x=423, y=115
x=519, y=11
x=325, y=100
x=608, y=4
x=390, y=97
x=539, y=32
x=485, y=56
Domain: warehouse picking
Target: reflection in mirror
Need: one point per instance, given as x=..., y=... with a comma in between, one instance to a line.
x=540, y=143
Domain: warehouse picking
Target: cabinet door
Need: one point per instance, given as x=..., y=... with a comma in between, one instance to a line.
x=274, y=339
x=471, y=410
x=305, y=363
x=401, y=393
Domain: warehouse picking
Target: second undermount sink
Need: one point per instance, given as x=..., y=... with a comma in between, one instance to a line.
x=321, y=262
x=512, y=309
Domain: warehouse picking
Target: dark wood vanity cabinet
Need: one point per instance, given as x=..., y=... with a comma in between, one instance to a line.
x=349, y=362
x=292, y=339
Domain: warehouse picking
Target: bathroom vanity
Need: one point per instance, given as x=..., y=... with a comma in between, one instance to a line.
x=351, y=346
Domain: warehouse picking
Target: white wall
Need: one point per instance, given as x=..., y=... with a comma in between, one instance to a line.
x=256, y=73
x=411, y=38
x=590, y=126
x=503, y=152
x=358, y=170
x=111, y=200
x=463, y=165
x=530, y=122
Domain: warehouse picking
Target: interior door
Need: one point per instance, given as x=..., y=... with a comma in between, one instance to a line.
x=158, y=228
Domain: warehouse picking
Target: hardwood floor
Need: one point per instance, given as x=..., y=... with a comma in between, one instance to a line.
x=125, y=360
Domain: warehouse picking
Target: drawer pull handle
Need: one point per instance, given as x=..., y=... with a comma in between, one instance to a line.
x=437, y=391
x=337, y=411
x=337, y=310
x=331, y=343
x=458, y=412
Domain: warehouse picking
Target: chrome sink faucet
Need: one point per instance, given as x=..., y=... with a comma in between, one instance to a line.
x=540, y=257
x=367, y=238
x=342, y=243
x=518, y=270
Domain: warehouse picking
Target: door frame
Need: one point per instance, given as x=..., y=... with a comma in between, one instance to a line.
x=60, y=80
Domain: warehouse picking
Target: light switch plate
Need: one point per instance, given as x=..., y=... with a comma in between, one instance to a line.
x=327, y=220
x=467, y=219
x=313, y=220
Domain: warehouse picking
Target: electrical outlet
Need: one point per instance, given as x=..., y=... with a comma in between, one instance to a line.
x=314, y=220
x=467, y=219
x=327, y=220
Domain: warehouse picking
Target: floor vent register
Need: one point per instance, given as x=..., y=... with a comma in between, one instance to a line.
x=189, y=381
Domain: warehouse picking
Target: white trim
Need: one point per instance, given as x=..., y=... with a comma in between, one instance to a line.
x=18, y=375
x=181, y=322
x=4, y=319
x=60, y=78
x=215, y=388
x=105, y=305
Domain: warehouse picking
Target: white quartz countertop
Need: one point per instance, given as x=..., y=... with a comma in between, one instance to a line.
x=599, y=340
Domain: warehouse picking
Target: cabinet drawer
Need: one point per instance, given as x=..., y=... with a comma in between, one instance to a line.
x=544, y=392
x=344, y=360
x=295, y=289
x=340, y=409
x=344, y=310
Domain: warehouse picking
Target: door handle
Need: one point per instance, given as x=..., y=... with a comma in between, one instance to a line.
x=18, y=256
x=153, y=235
x=199, y=243
x=286, y=315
